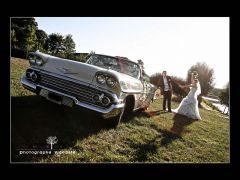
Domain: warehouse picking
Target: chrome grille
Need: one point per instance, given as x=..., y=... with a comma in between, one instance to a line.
x=82, y=92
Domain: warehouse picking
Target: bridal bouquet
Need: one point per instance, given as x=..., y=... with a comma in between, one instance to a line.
x=195, y=73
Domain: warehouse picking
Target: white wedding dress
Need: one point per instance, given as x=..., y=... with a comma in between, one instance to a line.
x=189, y=105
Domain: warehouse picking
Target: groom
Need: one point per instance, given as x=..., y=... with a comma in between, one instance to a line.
x=166, y=90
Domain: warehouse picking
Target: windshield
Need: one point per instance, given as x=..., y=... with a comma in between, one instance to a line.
x=120, y=65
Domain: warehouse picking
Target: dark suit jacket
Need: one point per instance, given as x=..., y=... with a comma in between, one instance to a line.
x=161, y=84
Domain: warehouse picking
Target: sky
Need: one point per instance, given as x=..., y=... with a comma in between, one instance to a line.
x=173, y=44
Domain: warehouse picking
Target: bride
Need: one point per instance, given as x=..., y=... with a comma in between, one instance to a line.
x=189, y=105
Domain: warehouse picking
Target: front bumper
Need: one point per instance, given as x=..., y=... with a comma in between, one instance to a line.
x=111, y=111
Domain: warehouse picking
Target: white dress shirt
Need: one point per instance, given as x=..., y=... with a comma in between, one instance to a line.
x=166, y=86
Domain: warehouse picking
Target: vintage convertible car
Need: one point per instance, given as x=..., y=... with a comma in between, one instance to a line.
x=112, y=86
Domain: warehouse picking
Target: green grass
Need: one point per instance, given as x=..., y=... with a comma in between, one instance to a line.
x=18, y=68
x=210, y=105
x=160, y=138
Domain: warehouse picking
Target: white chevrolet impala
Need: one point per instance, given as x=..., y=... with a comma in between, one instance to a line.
x=112, y=86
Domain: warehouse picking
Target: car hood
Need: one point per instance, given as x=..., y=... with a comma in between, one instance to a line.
x=68, y=68
x=86, y=72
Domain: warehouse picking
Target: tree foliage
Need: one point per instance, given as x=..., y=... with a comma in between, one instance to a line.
x=176, y=81
x=224, y=96
x=13, y=38
x=69, y=44
x=54, y=43
x=41, y=40
x=23, y=33
x=154, y=79
x=205, y=76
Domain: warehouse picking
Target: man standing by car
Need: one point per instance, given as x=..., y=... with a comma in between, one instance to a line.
x=166, y=90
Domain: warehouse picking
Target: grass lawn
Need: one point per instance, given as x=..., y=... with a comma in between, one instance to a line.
x=162, y=138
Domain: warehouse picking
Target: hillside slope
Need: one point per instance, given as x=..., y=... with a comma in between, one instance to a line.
x=147, y=137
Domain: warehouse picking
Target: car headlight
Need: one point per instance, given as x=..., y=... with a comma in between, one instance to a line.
x=101, y=79
x=35, y=60
x=39, y=61
x=107, y=79
x=111, y=82
x=32, y=59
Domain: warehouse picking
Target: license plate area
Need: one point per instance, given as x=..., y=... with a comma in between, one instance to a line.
x=56, y=98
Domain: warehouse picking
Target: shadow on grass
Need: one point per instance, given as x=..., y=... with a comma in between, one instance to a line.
x=144, y=151
x=165, y=137
x=180, y=123
x=34, y=119
x=145, y=113
x=177, y=130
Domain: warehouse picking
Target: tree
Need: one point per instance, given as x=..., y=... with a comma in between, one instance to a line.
x=41, y=40
x=26, y=36
x=224, y=97
x=14, y=28
x=54, y=43
x=176, y=81
x=52, y=140
x=24, y=30
x=69, y=44
x=82, y=57
x=154, y=79
x=13, y=38
x=205, y=77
